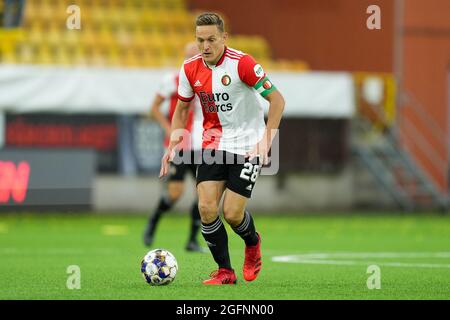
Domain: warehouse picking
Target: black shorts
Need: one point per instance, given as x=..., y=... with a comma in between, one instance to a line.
x=178, y=167
x=239, y=173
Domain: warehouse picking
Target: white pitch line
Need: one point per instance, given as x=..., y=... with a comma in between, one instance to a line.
x=59, y=251
x=323, y=258
x=363, y=255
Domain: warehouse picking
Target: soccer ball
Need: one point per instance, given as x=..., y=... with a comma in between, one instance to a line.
x=159, y=267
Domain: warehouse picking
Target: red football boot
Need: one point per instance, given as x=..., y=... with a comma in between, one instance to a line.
x=222, y=276
x=252, y=263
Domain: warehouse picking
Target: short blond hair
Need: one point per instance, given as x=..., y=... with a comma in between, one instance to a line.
x=210, y=19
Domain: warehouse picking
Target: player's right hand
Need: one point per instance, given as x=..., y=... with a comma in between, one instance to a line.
x=167, y=157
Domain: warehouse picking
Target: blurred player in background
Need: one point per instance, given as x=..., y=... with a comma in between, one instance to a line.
x=175, y=184
x=228, y=83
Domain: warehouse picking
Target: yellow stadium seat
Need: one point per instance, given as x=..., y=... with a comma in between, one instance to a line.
x=97, y=4
x=105, y=38
x=141, y=39
x=162, y=25
x=147, y=22
x=71, y=38
x=53, y=37
x=63, y=56
x=142, y=5
x=133, y=33
x=8, y=58
x=123, y=38
x=114, y=18
x=129, y=58
x=9, y=41
x=96, y=15
x=26, y=53
x=113, y=57
x=176, y=5
x=129, y=18
x=35, y=35
x=45, y=10
x=79, y=56
x=113, y=3
x=299, y=65
x=44, y=55
x=141, y=55
x=88, y=37
x=30, y=14
x=186, y=38
x=98, y=57
x=154, y=4
x=180, y=23
x=261, y=47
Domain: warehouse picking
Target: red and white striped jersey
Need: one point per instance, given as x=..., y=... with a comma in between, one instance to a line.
x=233, y=118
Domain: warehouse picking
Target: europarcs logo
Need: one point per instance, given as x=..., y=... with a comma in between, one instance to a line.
x=215, y=102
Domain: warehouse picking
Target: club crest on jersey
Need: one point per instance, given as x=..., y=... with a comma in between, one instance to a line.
x=259, y=72
x=226, y=80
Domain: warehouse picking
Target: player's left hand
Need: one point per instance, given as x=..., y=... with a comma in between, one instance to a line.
x=261, y=150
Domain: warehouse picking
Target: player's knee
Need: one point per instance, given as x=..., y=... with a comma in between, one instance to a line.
x=175, y=192
x=233, y=216
x=174, y=195
x=208, y=211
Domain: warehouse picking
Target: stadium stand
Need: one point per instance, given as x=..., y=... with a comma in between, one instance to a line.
x=117, y=33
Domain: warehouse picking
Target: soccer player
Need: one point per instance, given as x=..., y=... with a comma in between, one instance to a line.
x=227, y=82
x=169, y=91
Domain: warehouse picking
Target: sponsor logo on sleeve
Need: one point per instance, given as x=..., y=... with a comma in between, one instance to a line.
x=259, y=72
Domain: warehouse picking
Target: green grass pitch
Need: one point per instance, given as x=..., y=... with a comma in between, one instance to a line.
x=325, y=257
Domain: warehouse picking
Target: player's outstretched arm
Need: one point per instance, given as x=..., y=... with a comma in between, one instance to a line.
x=276, y=108
x=179, y=120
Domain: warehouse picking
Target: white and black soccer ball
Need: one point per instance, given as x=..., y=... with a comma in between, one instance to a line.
x=159, y=267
